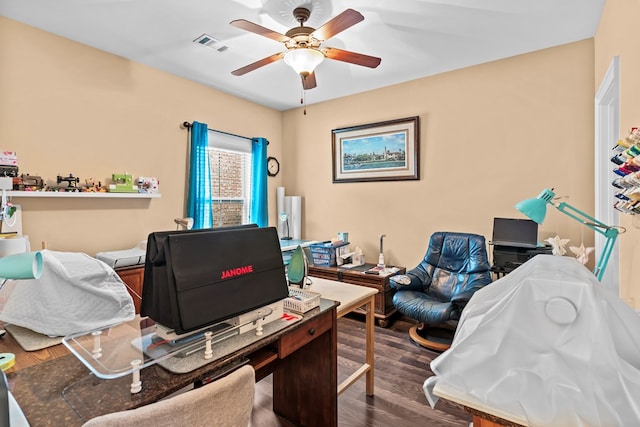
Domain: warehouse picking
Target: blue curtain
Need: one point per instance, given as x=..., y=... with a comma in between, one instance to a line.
x=199, y=205
x=259, y=213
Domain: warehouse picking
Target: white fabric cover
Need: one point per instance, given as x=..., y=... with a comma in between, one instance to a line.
x=124, y=258
x=76, y=293
x=549, y=344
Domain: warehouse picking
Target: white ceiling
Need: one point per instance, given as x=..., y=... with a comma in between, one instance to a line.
x=414, y=38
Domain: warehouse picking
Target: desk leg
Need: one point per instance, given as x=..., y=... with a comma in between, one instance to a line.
x=305, y=383
x=367, y=366
x=370, y=325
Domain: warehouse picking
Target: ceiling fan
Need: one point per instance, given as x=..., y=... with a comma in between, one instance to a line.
x=304, y=53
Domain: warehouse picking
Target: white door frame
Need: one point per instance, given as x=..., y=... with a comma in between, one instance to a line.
x=607, y=130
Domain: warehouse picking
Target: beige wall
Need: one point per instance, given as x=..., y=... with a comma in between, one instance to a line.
x=67, y=108
x=617, y=36
x=491, y=135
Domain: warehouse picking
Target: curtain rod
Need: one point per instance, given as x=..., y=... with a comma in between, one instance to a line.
x=188, y=125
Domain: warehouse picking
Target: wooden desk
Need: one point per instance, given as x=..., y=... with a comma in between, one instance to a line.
x=384, y=308
x=352, y=298
x=301, y=357
x=482, y=415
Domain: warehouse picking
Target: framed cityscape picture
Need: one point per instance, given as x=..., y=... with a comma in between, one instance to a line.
x=384, y=151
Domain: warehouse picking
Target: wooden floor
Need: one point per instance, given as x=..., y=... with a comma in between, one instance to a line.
x=400, y=369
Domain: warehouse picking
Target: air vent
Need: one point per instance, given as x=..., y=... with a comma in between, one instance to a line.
x=211, y=42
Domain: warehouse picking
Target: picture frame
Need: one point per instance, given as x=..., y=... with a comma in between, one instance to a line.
x=383, y=151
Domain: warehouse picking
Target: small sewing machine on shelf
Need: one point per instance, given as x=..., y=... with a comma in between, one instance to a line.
x=26, y=182
x=122, y=183
x=72, y=182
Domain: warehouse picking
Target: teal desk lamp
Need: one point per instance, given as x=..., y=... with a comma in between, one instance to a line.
x=536, y=209
x=26, y=265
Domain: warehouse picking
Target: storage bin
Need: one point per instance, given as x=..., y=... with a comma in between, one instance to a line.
x=324, y=254
x=301, y=301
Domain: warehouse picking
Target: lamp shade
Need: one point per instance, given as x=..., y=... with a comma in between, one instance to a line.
x=26, y=265
x=187, y=222
x=536, y=208
x=303, y=60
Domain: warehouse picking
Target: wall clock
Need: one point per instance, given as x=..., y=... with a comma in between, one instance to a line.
x=273, y=166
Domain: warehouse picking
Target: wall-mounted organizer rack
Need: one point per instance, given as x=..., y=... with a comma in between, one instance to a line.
x=627, y=159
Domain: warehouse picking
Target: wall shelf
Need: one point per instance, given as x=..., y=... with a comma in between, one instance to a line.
x=82, y=195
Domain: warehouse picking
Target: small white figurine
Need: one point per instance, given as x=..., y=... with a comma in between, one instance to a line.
x=557, y=245
x=581, y=253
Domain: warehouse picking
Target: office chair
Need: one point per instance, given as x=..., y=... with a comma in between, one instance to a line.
x=226, y=402
x=436, y=291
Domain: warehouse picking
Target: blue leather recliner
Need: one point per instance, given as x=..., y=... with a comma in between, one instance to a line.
x=436, y=291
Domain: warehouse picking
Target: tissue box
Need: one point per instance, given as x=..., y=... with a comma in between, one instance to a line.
x=357, y=259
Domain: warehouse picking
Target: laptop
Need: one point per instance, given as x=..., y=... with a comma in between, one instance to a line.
x=522, y=233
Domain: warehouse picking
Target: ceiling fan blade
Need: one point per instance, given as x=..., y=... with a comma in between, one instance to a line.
x=260, y=30
x=309, y=82
x=337, y=24
x=261, y=63
x=351, y=57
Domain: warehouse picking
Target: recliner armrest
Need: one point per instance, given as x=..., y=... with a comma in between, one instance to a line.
x=399, y=281
x=415, y=284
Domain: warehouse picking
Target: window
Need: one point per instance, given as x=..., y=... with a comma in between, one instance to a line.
x=230, y=161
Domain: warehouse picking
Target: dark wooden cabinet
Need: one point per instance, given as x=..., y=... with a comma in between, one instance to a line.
x=384, y=308
x=133, y=278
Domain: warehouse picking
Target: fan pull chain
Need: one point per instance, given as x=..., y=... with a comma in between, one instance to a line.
x=303, y=100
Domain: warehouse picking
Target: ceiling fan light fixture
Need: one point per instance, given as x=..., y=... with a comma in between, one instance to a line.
x=303, y=60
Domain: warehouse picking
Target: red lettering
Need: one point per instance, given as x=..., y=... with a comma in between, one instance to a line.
x=238, y=271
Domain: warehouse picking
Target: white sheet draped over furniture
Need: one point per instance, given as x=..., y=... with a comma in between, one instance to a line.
x=547, y=344
x=75, y=293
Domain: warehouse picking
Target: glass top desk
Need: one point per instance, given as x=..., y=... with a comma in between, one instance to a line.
x=130, y=346
x=62, y=391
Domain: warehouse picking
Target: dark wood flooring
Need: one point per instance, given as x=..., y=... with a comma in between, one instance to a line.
x=400, y=370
